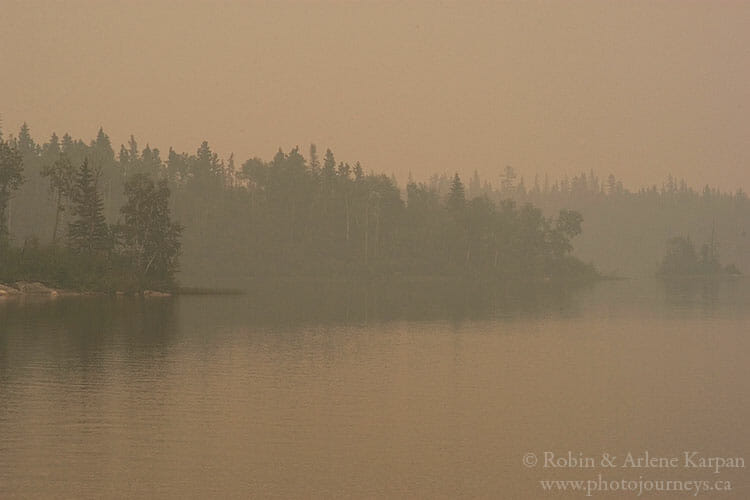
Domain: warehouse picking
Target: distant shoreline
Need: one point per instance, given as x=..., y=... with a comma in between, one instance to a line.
x=39, y=289
x=699, y=276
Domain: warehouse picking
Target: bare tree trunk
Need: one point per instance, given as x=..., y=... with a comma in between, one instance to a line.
x=149, y=263
x=10, y=216
x=57, y=218
x=377, y=230
x=347, y=220
x=4, y=205
x=367, y=231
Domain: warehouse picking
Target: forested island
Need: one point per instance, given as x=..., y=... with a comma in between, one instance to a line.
x=75, y=215
x=682, y=260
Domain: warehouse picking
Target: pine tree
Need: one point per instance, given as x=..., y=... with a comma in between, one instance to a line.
x=457, y=195
x=52, y=148
x=329, y=165
x=314, y=160
x=25, y=142
x=89, y=232
x=508, y=182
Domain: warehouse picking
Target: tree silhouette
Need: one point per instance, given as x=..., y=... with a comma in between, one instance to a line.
x=11, y=178
x=88, y=233
x=457, y=195
x=61, y=176
x=150, y=238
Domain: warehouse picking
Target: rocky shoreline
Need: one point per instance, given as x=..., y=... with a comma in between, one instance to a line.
x=36, y=289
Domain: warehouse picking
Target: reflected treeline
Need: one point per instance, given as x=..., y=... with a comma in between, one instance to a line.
x=673, y=297
x=706, y=292
x=153, y=321
x=314, y=301
x=78, y=326
x=74, y=333
x=89, y=314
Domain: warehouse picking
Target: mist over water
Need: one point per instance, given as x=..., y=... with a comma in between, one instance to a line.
x=354, y=396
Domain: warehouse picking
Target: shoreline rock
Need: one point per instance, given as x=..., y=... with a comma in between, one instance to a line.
x=35, y=288
x=27, y=288
x=6, y=291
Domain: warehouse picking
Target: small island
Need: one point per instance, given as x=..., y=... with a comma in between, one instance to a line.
x=682, y=260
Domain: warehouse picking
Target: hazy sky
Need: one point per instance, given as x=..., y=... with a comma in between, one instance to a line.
x=639, y=89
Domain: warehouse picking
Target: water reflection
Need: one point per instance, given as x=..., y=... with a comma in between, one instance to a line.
x=706, y=293
x=77, y=332
x=77, y=329
x=321, y=302
x=317, y=391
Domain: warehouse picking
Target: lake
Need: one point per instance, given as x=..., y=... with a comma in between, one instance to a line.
x=388, y=391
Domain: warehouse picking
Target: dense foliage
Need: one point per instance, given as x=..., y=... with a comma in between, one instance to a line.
x=11, y=177
x=148, y=237
x=290, y=216
x=314, y=215
x=140, y=252
x=625, y=230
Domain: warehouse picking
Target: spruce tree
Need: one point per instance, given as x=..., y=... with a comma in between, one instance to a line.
x=88, y=233
x=457, y=195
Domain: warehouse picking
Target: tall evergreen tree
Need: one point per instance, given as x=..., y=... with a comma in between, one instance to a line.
x=508, y=180
x=314, y=161
x=89, y=232
x=11, y=178
x=457, y=195
x=25, y=143
x=329, y=165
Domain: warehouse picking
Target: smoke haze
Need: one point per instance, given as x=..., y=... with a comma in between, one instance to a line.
x=638, y=89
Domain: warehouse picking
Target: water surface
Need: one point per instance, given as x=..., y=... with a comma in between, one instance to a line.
x=319, y=392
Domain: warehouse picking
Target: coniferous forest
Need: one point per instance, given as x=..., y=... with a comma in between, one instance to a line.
x=80, y=215
x=87, y=253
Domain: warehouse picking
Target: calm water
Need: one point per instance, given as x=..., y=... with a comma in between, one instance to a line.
x=326, y=392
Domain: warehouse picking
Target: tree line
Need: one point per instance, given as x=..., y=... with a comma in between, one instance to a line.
x=627, y=231
x=293, y=215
